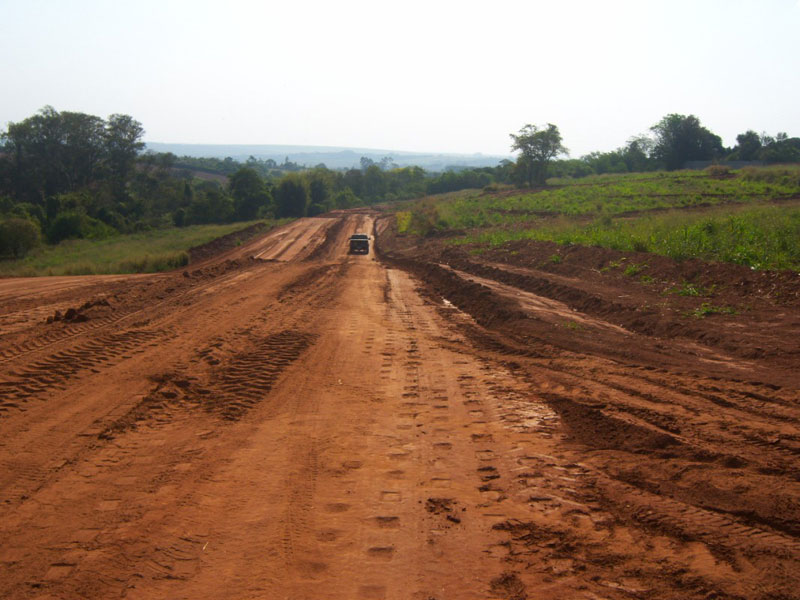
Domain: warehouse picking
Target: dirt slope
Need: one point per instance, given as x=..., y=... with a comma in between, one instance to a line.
x=288, y=421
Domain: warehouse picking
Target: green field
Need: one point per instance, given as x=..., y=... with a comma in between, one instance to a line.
x=750, y=217
x=146, y=252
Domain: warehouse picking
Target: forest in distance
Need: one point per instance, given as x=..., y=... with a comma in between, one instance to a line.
x=67, y=175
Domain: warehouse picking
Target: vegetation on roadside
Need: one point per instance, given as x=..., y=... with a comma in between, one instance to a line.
x=750, y=217
x=144, y=252
x=761, y=237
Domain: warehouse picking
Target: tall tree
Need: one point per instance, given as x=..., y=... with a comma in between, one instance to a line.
x=537, y=147
x=748, y=145
x=249, y=193
x=320, y=186
x=374, y=183
x=681, y=138
x=123, y=144
x=52, y=153
x=291, y=196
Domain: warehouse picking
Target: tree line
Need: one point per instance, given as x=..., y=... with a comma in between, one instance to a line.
x=675, y=142
x=72, y=175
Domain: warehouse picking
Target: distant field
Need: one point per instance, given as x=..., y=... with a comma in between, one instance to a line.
x=146, y=252
x=750, y=217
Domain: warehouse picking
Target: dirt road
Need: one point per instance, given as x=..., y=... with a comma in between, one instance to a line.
x=290, y=422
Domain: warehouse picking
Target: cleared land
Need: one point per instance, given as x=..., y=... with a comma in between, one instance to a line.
x=287, y=421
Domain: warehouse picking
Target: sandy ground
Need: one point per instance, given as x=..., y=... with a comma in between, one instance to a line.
x=286, y=421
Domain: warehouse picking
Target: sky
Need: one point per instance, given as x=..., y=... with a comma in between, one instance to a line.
x=428, y=76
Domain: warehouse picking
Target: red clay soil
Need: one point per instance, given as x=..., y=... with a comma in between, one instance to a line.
x=224, y=243
x=283, y=420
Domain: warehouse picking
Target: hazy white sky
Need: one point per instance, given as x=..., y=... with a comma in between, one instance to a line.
x=449, y=76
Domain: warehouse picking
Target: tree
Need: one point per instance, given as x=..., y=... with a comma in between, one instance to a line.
x=781, y=149
x=123, y=144
x=52, y=153
x=387, y=162
x=345, y=199
x=537, y=147
x=320, y=186
x=748, y=145
x=354, y=179
x=291, y=196
x=249, y=193
x=637, y=152
x=374, y=183
x=681, y=138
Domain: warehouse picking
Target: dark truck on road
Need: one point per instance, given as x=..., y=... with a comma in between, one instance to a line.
x=359, y=243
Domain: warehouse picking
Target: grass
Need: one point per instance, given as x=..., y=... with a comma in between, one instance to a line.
x=608, y=196
x=761, y=237
x=750, y=217
x=707, y=308
x=146, y=252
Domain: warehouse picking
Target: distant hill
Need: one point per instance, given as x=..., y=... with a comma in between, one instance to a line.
x=331, y=156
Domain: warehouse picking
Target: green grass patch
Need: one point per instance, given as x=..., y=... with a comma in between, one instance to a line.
x=706, y=309
x=761, y=237
x=749, y=217
x=607, y=196
x=145, y=252
x=633, y=269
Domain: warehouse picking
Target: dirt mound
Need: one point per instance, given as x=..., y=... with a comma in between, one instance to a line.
x=81, y=314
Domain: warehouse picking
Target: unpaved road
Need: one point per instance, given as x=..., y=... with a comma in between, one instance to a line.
x=290, y=422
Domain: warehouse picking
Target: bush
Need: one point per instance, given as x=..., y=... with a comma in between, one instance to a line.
x=72, y=225
x=498, y=187
x=66, y=226
x=718, y=171
x=18, y=237
x=316, y=209
x=346, y=199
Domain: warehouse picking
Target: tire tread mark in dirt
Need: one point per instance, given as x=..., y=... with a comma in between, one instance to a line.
x=236, y=384
x=686, y=521
x=673, y=398
x=248, y=377
x=55, y=370
x=214, y=276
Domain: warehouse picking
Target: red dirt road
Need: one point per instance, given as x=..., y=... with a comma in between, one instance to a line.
x=288, y=421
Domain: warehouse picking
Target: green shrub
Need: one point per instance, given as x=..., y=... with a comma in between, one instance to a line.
x=403, y=221
x=18, y=237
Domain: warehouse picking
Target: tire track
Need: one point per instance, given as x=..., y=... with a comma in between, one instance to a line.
x=52, y=372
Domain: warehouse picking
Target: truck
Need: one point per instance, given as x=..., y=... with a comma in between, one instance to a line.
x=359, y=243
